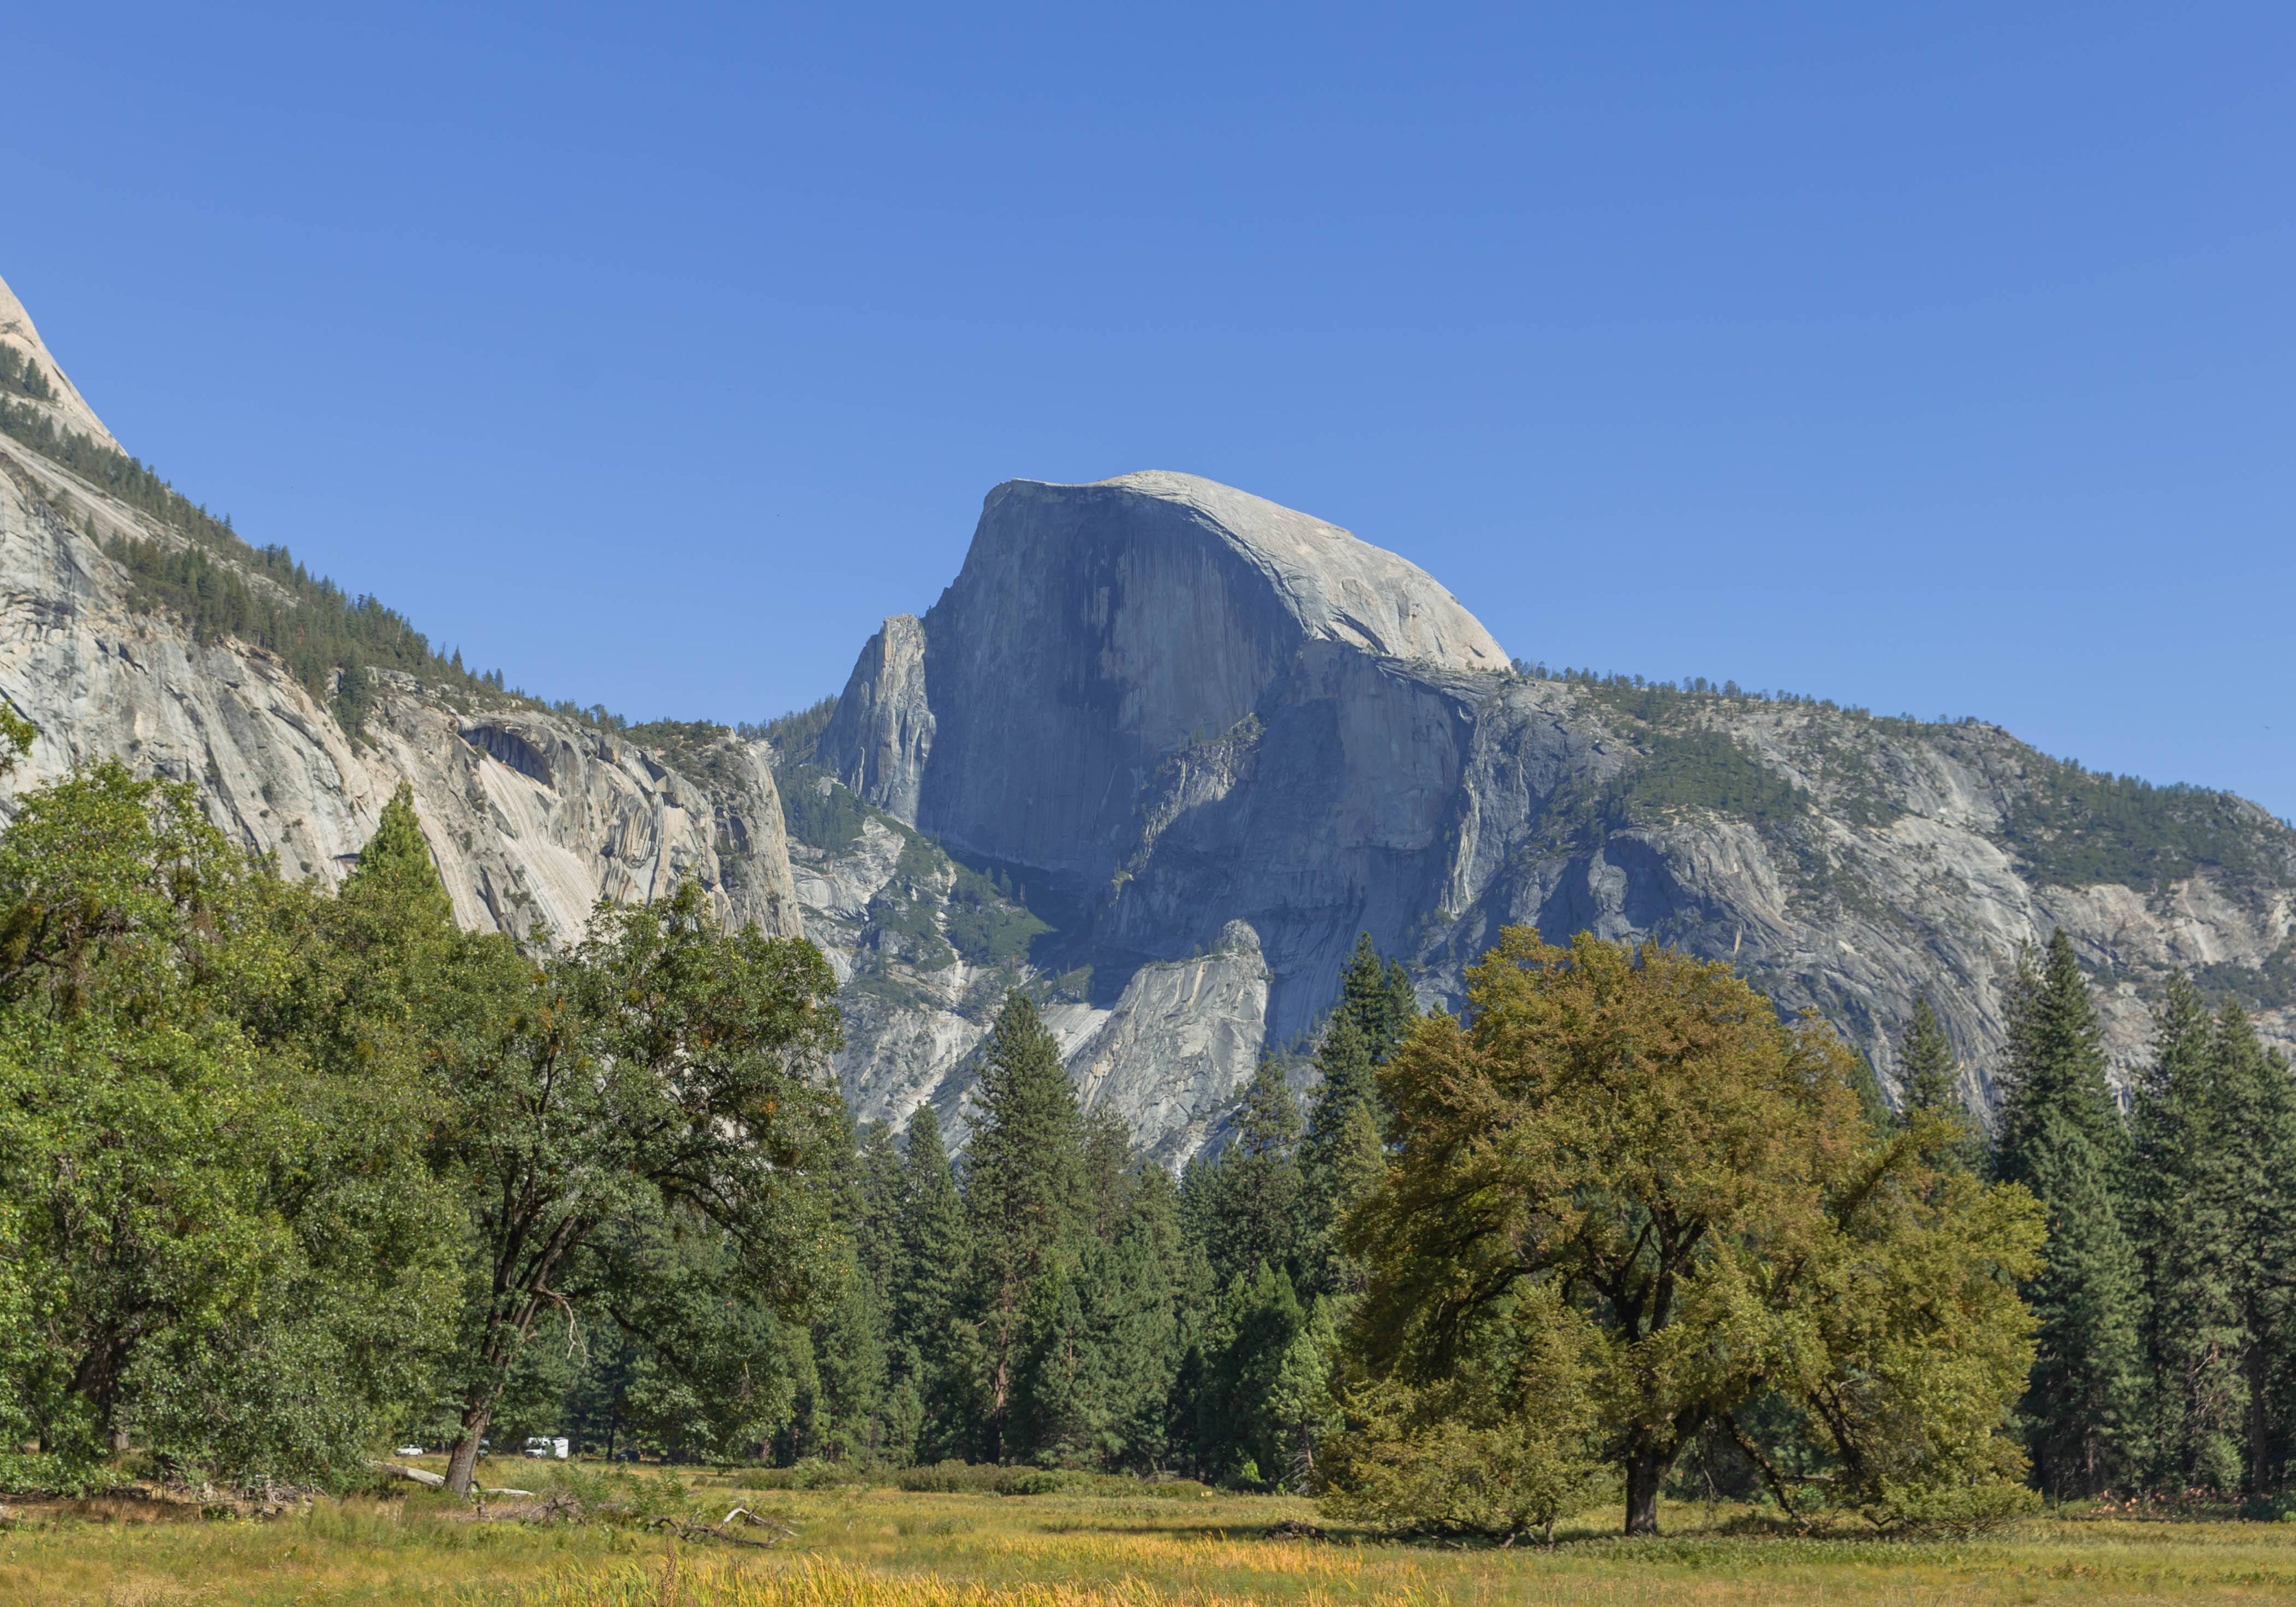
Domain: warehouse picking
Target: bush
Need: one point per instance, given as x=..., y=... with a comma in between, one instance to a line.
x=28, y=1473
x=951, y=1479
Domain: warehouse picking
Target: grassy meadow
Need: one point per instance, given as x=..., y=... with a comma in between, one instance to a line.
x=893, y=1548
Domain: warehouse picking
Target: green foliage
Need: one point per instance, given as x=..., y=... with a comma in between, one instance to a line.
x=820, y=812
x=1023, y=1196
x=1697, y=768
x=986, y=927
x=1625, y=1158
x=1929, y=1082
x=1873, y=1103
x=1341, y=1155
x=45, y=1474
x=2185, y=1210
x=2072, y=827
x=1241, y=1441
x=2055, y=1062
x=1705, y=770
x=796, y=737
x=2213, y=1220
x=17, y=735
x=2060, y=1135
x=1503, y=1446
x=2270, y=986
x=219, y=1232
x=1377, y=999
x=1244, y=1205
x=663, y=1078
x=20, y=375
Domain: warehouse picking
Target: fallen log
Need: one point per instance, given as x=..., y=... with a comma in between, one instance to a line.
x=434, y=1481
x=438, y=1482
x=723, y=1528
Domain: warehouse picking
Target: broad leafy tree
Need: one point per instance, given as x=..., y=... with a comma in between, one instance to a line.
x=1624, y=1169
x=661, y=1066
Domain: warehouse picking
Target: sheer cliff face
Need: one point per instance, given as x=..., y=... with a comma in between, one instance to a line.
x=1160, y=610
x=531, y=817
x=1116, y=665
x=1194, y=724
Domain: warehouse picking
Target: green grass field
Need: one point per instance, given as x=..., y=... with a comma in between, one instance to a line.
x=889, y=1548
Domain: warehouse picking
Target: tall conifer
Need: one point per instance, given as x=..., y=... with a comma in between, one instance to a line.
x=2061, y=1136
x=931, y=1278
x=1245, y=1203
x=2057, y=1061
x=1340, y=1156
x=1928, y=1080
x=2184, y=1211
x=1378, y=998
x=1024, y=1193
x=2258, y=1136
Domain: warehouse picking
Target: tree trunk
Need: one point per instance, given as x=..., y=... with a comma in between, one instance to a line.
x=1644, y=1474
x=462, y=1463
x=2256, y=1363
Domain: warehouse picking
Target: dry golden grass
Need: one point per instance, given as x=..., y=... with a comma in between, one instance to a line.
x=888, y=1549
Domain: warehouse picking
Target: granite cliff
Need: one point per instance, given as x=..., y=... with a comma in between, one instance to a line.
x=1206, y=741
x=532, y=815
x=1159, y=754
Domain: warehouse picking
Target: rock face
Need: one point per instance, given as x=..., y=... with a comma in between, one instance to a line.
x=531, y=817
x=1184, y=1036
x=1159, y=754
x=67, y=407
x=1189, y=727
x=884, y=726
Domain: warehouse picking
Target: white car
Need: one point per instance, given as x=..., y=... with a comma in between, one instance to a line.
x=412, y=1450
x=548, y=1450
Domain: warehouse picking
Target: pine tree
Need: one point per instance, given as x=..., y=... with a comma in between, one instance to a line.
x=2082, y=1408
x=1051, y=1416
x=398, y=858
x=1378, y=998
x=2061, y=1136
x=2055, y=1062
x=1342, y=1155
x=877, y=1228
x=1132, y=1311
x=1109, y=1174
x=850, y=1363
x=1240, y=1439
x=1929, y=1081
x=1023, y=1194
x=2257, y=1135
x=1245, y=1205
x=932, y=1275
x=2183, y=1211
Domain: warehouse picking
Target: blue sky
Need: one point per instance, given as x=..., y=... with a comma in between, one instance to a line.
x=1939, y=359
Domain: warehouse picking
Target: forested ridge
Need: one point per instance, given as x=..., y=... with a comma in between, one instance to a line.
x=220, y=585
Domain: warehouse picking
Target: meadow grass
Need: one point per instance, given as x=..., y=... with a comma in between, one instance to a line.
x=889, y=1548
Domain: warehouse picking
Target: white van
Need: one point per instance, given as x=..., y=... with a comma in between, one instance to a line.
x=543, y=1450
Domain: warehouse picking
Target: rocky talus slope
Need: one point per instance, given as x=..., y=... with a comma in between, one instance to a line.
x=532, y=816
x=1206, y=741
